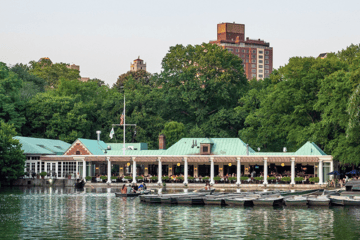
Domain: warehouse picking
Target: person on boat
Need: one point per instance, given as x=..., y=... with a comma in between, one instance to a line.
x=144, y=186
x=129, y=189
x=136, y=187
x=124, y=189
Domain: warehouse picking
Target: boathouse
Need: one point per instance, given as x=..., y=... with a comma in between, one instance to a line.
x=194, y=157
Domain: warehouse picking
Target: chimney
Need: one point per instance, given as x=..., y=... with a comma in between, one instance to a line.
x=247, y=149
x=162, y=142
x=98, y=135
x=284, y=149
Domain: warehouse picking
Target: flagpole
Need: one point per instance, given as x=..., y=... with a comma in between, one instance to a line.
x=124, y=125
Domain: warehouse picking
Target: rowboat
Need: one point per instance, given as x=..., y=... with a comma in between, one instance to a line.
x=296, y=201
x=241, y=201
x=289, y=193
x=269, y=201
x=337, y=200
x=319, y=201
x=132, y=194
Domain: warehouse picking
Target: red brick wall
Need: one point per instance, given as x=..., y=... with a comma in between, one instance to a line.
x=77, y=147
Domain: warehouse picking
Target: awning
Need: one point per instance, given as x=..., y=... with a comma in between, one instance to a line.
x=198, y=159
x=171, y=159
x=225, y=160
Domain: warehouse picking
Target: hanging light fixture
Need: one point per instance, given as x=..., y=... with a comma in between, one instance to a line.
x=229, y=164
x=178, y=164
x=128, y=164
x=282, y=164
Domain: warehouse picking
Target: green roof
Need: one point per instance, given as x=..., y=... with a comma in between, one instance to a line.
x=310, y=148
x=42, y=146
x=207, y=141
x=119, y=146
x=94, y=146
x=136, y=152
x=221, y=146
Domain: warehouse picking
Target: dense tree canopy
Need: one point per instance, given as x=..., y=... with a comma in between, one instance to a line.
x=200, y=92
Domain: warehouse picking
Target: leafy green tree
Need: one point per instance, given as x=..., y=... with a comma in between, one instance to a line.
x=53, y=72
x=11, y=105
x=173, y=132
x=12, y=158
x=140, y=76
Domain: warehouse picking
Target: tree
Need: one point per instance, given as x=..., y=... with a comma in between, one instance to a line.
x=53, y=72
x=173, y=132
x=11, y=105
x=201, y=84
x=12, y=158
x=140, y=76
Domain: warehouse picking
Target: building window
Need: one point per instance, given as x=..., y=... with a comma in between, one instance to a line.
x=237, y=50
x=247, y=51
x=261, y=52
x=266, y=71
x=230, y=49
x=253, y=56
x=266, y=61
x=266, y=66
x=247, y=60
x=253, y=60
x=253, y=51
x=243, y=56
x=243, y=50
x=260, y=76
x=266, y=52
x=260, y=71
x=253, y=65
x=260, y=56
x=266, y=57
x=205, y=149
x=260, y=66
x=253, y=75
x=77, y=152
x=260, y=61
x=253, y=70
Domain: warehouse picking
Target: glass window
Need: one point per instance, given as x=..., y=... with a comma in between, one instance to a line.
x=253, y=60
x=260, y=71
x=260, y=56
x=266, y=61
x=247, y=51
x=266, y=71
x=266, y=66
x=261, y=52
x=253, y=51
x=230, y=49
x=266, y=52
x=260, y=66
x=253, y=56
x=260, y=61
x=243, y=56
x=253, y=65
x=253, y=75
x=260, y=76
x=266, y=57
x=237, y=50
x=243, y=50
x=247, y=60
x=253, y=70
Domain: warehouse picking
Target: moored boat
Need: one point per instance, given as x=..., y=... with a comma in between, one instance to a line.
x=241, y=201
x=296, y=201
x=352, y=201
x=337, y=200
x=268, y=201
x=319, y=200
x=132, y=194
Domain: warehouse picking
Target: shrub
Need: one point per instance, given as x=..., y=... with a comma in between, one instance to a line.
x=113, y=177
x=139, y=178
x=244, y=178
x=180, y=178
x=314, y=179
x=259, y=178
x=205, y=178
x=154, y=178
x=299, y=179
x=103, y=177
x=191, y=178
x=232, y=178
x=88, y=178
x=165, y=178
x=217, y=178
x=43, y=174
x=271, y=178
x=128, y=177
x=286, y=179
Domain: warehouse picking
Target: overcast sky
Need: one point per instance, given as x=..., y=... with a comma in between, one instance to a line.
x=103, y=37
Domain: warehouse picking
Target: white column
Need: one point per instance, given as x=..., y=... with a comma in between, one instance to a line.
x=77, y=169
x=321, y=172
x=84, y=170
x=185, y=171
x=265, y=171
x=292, y=170
x=134, y=170
x=238, y=172
x=159, y=171
x=108, y=170
x=212, y=171
x=331, y=169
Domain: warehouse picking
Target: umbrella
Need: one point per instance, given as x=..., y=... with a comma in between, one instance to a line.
x=336, y=173
x=353, y=172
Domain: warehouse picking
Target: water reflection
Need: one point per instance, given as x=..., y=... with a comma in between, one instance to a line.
x=97, y=213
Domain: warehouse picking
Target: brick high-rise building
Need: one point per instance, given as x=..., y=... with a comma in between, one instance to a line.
x=257, y=55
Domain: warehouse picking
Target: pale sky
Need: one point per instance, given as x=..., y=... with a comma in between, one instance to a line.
x=103, y=37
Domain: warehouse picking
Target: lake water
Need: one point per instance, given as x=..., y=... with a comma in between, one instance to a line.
x=63, y=213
